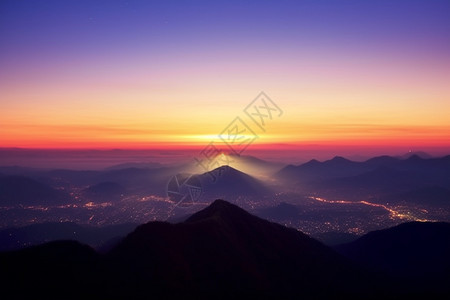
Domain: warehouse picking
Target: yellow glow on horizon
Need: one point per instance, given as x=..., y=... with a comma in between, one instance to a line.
x=326, y=112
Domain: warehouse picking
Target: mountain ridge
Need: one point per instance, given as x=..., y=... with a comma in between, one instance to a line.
x=221, y=251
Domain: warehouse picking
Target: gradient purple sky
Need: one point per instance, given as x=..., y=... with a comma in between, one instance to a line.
x=146, y=74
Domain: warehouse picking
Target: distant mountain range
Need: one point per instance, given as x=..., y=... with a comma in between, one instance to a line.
x=417, y=252
x=339, y=167
x=37, y=187
x=96, y=237
x=222, y=251
x=409, y=249
x=105, y=191
x=228, y=183
x=413, y=181
x=26, y=186
x=384, y=176
x=20, y=190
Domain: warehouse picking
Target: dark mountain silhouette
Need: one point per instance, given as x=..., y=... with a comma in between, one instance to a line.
x=139, y=180
x=429, y=195
x=315, y=170
x=417, y=251
x=334, y=238
x=253, y=165
x=228, y=183
x=140, y=165
x=384, y=176
x=16, y=238
x=382, y=161
x=222, y=251
x=133, y=179
x=59, y=269
x=75, y=177
x=105, y=191
x=420, y=154
x=341, y=167
x=380, y=180
x=20, y=190
x=282, y=211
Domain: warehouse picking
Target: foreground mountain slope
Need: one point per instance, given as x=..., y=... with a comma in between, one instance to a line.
x=17, y=238
x=21, y=190
x=224, y=252
x=56, y=270
x=413, y=249
x=417, y=254
x=223, y=249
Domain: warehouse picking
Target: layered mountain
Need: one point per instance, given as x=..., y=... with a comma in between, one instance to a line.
x=24, y=191
x=55, y=270
x=381, y=178
x=339, y=167
x=415, y=254
x=105, y=191
x=428, y=195
x=221, y=252
x=409, y=249
x=35, y=234
x=315, y=170
x=253, y=165
x=228, y=183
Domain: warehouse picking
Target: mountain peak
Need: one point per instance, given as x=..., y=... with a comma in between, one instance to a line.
x=219, y=209
x=225, y=246
x=414, y=157
x=226, y=168
x=383, y=159
x=220, y=204
x=419, y=154
x=312, y=162
x=339, y=159
x=228, y=183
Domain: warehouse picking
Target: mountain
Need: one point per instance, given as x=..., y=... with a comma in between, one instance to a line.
x=220, y=252
x=282, y=211
x=17, y=238
x=420, y=154
x=334, y=238
x=140, y=181
x=253, y=165
x=104, y=191
x=59, y=269
x=228, y=183
x=382, y=161
x=379, y=180
x=73, y=177
x=224, y=251
x=382, y=177
x=339, y=167
x=414, y=249
x=436, y=196
x=315, y=170
x=140, y=165
x=21, y=190
x=416, y=255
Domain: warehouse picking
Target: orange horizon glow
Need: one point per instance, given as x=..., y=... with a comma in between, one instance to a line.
x=155, y=87
x=94, y=137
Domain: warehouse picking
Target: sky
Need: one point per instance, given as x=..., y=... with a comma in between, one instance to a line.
x=176, y=74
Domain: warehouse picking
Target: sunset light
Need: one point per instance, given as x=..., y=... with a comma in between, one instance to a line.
x=386, y=84
x=225, y=149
